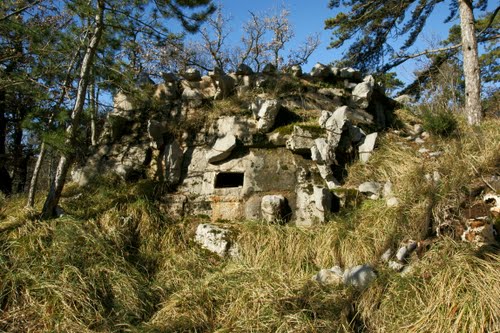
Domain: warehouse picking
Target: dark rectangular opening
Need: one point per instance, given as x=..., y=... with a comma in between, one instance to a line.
x=229, y=179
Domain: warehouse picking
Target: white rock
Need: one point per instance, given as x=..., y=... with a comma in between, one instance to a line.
x=386, y=255
x=359, y=276
x=406, y=250
x=320, y=71
x=362, y=93
x=366, y=149
x=392, y=202
x=325, y=115
x=273, y=208
x=322, y=152
x=221, y=149
x=395, y=265
x=173, y=162
x=419, y=141
x=216, y=240
x=331, y=276
x=370, y=188
x=265, y=111
x=300, y=141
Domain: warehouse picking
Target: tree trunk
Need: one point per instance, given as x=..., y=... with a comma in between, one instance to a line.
x=93, y=114
x=36, y=173
x=57, y=184
x=471, y=63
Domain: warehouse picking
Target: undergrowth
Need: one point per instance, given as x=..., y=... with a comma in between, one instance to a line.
x=115, y=263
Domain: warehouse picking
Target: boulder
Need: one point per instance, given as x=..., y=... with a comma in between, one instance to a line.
x=362, y=92
x=301, y=141
x=217, y=240
x=321, y=71
x=372, y=189
x=221, y=149
x=366, y=148
x=359, y=276
x=274, y=208
x=265, y=111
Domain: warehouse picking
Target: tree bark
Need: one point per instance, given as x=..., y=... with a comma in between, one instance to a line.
x=5, y=180
x=93, y=114
x=57, y=184
x=471, y=63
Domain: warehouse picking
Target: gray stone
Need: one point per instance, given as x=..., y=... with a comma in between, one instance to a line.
x=325, y=115
x=370, y=188
x=173, y=162
x=387, y=191
x=359, y=276
x=274, y=208
x=192, y=75
x=397, y=266
x=265, y=111
x=366, y=149
x=332, y=276
x=406, y=250
x=392, y=202
x=419, y=141
x=217, y=240
x=321, y=71
x=300, y=141
x=322, y=152
x=221, y=149
x=335, y=125
x=326, y=173
x=386, y=255
x=362, y=93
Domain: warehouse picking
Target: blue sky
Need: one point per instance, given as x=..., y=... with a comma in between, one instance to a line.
x=308, y=17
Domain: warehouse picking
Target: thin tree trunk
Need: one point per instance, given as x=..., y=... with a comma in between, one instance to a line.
x=72, y=130
x=93, y=113
x=471, y=63
x=43, y=147
x=36, y=173
x=5, y=180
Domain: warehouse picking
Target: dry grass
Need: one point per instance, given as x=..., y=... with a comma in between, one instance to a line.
x=116, y=264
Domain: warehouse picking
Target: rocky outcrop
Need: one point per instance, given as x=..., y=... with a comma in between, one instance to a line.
x=244, y=163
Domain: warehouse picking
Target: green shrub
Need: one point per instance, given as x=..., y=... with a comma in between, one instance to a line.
x=442, y=123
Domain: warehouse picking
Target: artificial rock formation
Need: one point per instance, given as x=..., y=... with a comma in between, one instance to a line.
x=275, y=154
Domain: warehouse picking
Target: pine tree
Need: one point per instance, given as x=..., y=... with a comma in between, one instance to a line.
x=373, y=23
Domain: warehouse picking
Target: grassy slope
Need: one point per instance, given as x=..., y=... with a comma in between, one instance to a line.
x=115, y=263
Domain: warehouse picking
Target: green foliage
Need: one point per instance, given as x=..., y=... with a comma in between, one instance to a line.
x=442, y=122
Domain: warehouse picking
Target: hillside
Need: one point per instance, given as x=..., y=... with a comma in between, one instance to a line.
x=123, y=257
